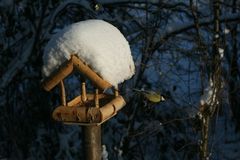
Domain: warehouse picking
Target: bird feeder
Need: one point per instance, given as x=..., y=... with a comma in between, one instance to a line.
x=87, y=108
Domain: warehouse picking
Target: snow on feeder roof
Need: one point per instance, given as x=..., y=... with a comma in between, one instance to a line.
x=98, y=44
x=101, y=53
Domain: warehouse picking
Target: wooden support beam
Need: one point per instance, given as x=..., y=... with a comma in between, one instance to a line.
x=90, y=74
x=84, y=93
x=79, y=113
x=62, y=94
x=96, y=98
x=92, y=142
x=58, y=75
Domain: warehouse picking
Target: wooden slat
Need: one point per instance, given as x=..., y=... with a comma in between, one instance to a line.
x=96, y=98
x=58, y=75
x=62, y=93
x=90, y=74
x=84, y=93
x=112, y=107
x=84, y=114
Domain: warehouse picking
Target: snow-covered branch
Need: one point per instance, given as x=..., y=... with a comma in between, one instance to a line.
x=177, y=29
x=19, y=61
x=16, y=64
x=60, y=8
x=50, y=21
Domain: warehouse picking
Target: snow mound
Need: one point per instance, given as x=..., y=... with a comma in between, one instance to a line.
x=98, y=43
x=209, y=95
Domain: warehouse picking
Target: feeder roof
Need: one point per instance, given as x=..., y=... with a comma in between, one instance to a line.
x=98, y=43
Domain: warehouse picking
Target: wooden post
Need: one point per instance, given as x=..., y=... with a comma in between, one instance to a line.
x=92, y=142
x=92, y=134
x=96, y=98
x=84, y=94
x=62, y=93
x=116, y=92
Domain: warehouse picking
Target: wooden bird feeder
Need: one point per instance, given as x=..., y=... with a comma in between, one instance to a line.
x=87, y=108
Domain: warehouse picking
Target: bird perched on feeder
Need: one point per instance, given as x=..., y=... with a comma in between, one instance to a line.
x=151, y=95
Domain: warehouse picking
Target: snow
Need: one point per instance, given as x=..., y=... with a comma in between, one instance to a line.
x=221, y=52
x=209, y=95
x=104, y=152
x=97, y=43
x=226, y=31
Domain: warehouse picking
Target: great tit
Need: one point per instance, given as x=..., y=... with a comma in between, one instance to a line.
x=151, y=95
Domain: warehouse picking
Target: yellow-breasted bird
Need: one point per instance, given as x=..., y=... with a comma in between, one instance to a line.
x=151, y=95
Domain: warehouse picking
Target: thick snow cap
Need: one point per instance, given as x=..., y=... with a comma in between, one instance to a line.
x=98, y=43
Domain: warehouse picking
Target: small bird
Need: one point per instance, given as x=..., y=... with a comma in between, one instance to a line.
x=151, y=95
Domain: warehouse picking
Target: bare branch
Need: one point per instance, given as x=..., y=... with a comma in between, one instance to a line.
x=202, y=22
